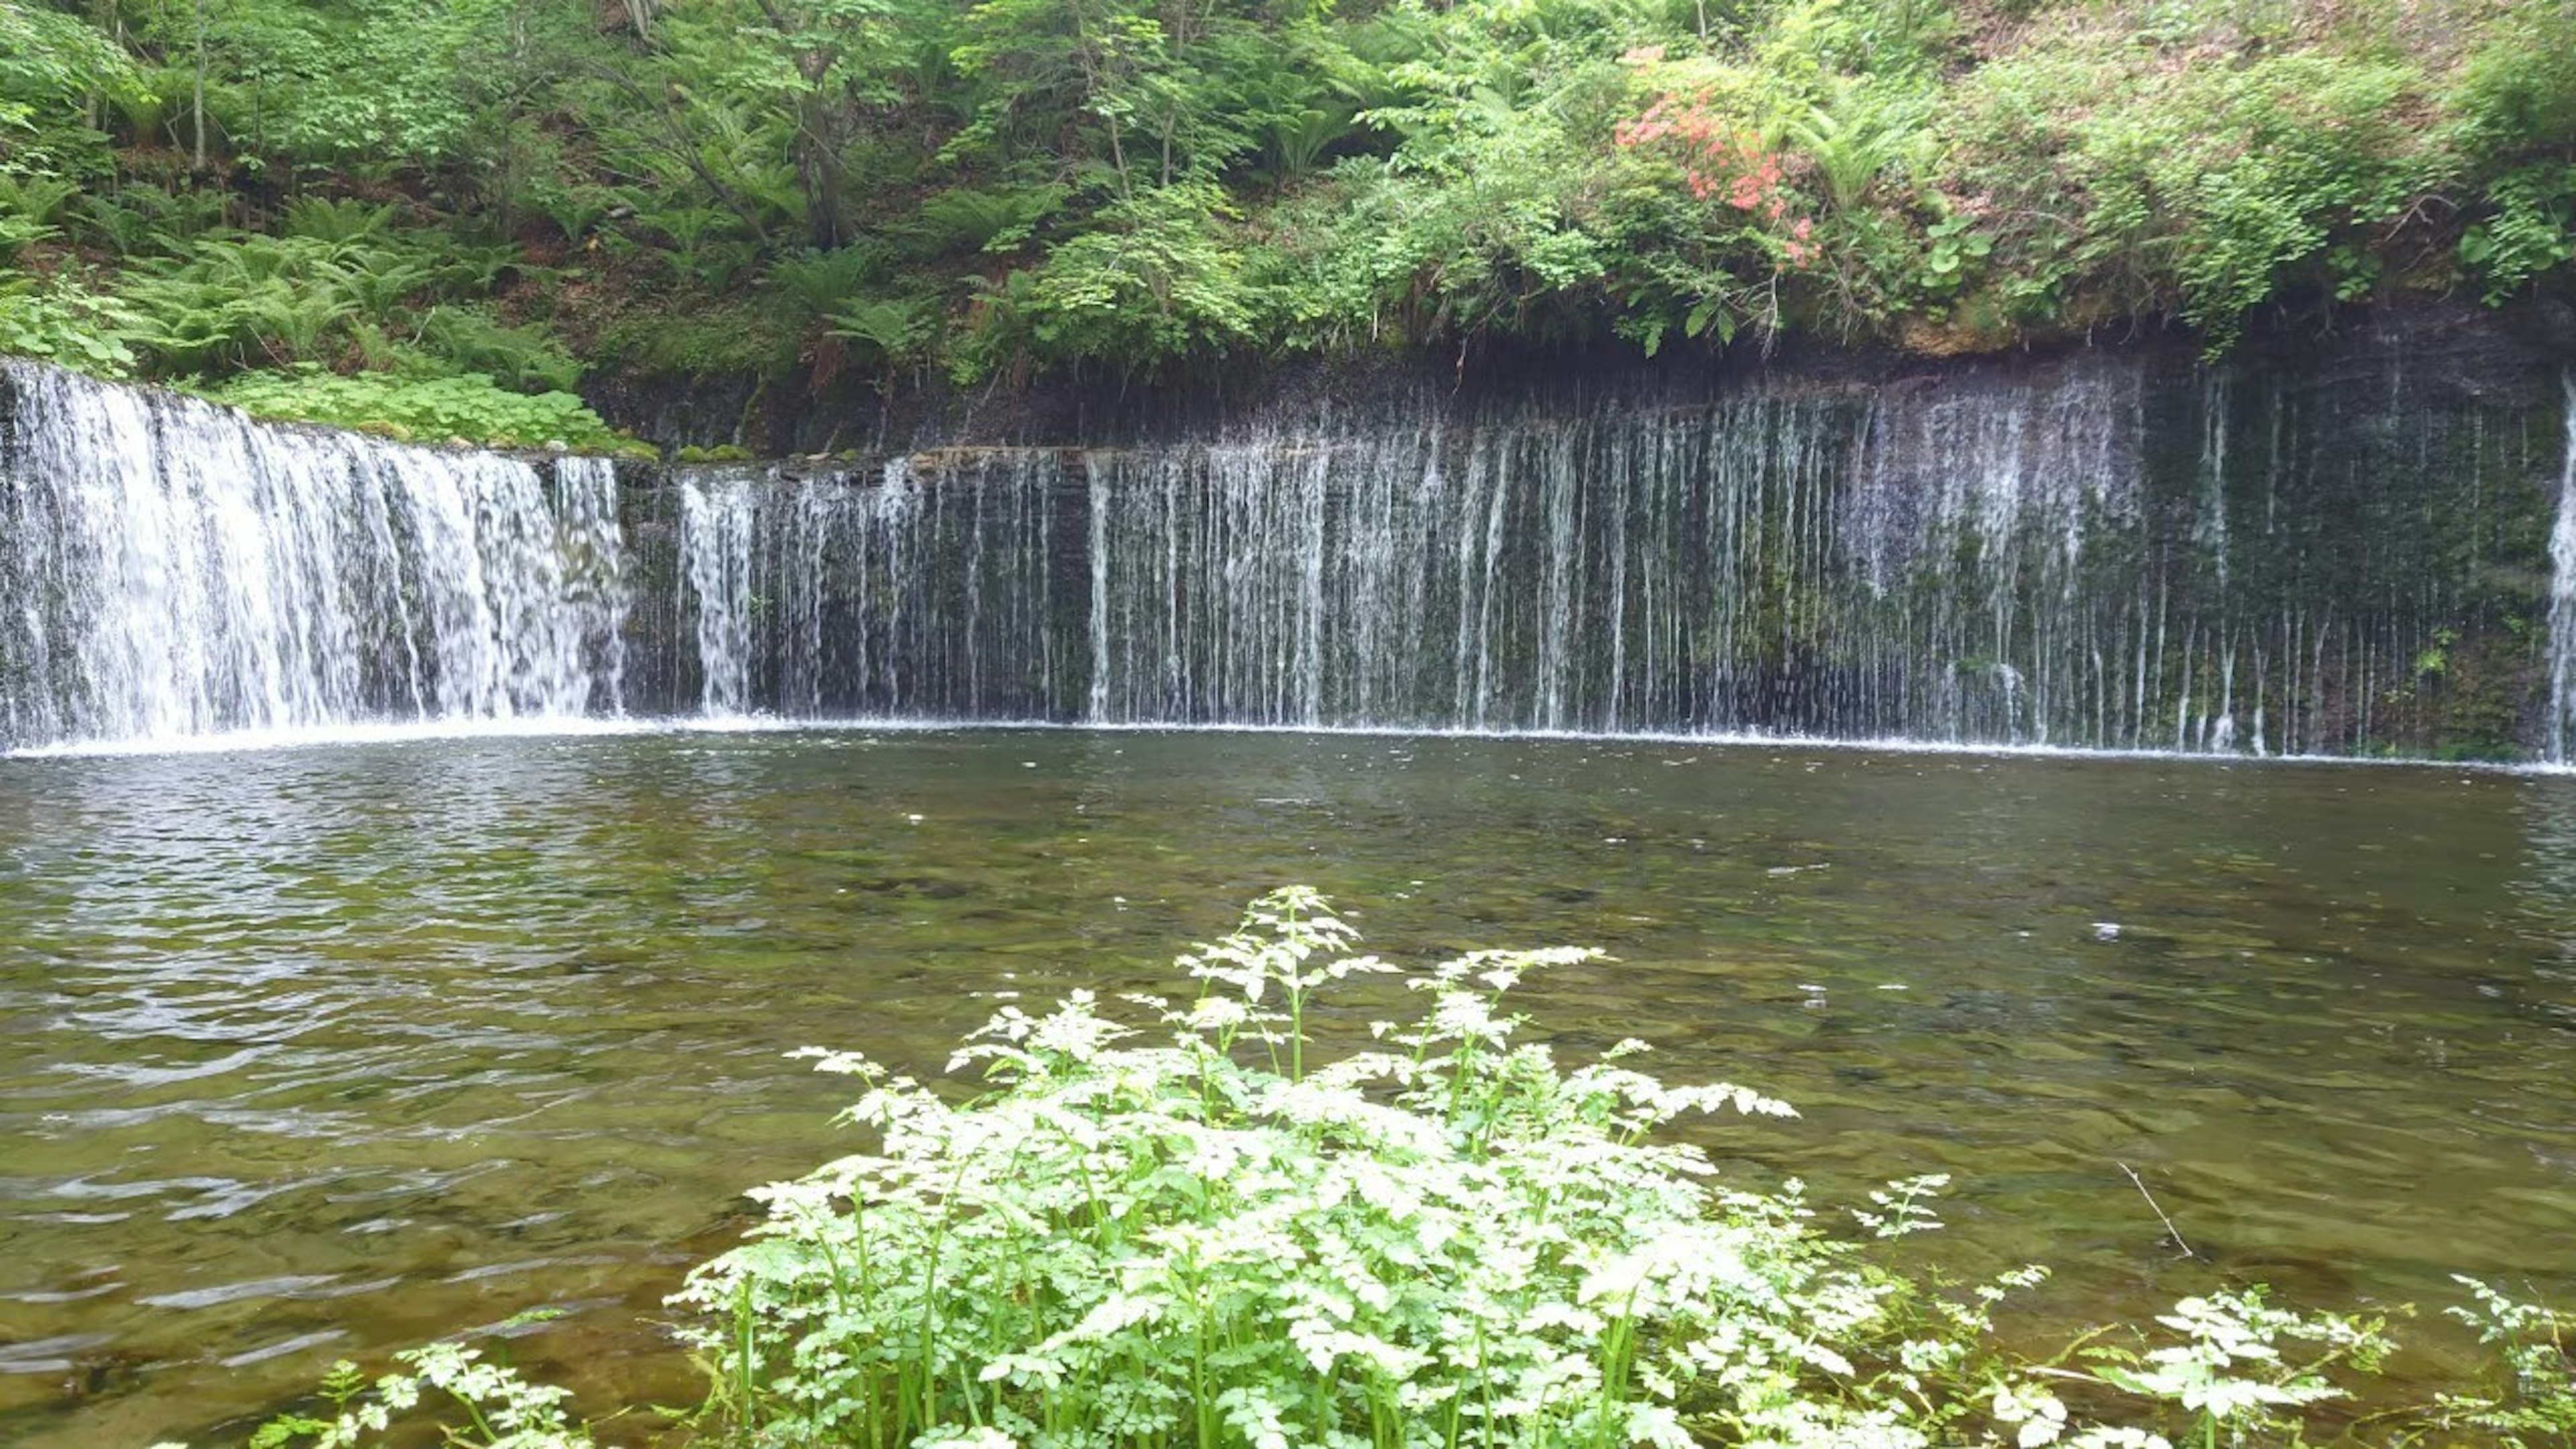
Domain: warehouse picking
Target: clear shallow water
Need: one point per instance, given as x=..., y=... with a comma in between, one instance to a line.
x=313, y=1052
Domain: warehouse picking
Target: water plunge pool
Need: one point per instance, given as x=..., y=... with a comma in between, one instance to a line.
x=322, y=1052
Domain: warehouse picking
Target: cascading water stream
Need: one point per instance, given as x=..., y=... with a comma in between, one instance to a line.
x=715, y=552
x=2561, y=719
x=172, y=568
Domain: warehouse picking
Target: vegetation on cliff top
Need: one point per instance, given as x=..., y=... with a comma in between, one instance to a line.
x=491, y=195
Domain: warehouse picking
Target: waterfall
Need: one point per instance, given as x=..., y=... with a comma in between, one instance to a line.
x=2086, y=553
x=172, y=568
x=2001, y=557
x=2562, y=595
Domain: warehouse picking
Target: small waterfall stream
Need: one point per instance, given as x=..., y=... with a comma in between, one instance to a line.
x=715, y=554
x=2086, y=555
x=2561, y=719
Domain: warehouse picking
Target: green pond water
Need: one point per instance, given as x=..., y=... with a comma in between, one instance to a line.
x=318, y=1052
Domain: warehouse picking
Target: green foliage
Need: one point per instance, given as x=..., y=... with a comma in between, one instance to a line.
x=2197, y=185
x=2515, y=94
x=1010, y=185
x=980, y=219
x=2529, y=231
x=339, y=222
x=2535, y=1400
x=51, y=64
x=144, y=221
x=472, y=407
x=467, y=339
x=1161, y=1244
x=818, y=282
x=886, y=330
x=484, y=1405
x=62, y=321
x=367, y=84
x=1852, y=140
x=338, y=282
x=1162, y=282
x=2229, y=1370
x=235, y=301
x=736, y=337
x=2318, y=146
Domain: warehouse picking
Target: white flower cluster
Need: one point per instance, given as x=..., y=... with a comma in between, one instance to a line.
x=497, y=1408
x=1198, y=1241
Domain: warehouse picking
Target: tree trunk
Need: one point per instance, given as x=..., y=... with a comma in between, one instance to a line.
x=818, y=158
x=198, y=162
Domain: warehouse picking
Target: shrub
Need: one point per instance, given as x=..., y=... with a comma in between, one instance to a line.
x=1447, y=1243
x=2156, y=180
x=1160, y=283
x=1205, y=1238
x=468, y=339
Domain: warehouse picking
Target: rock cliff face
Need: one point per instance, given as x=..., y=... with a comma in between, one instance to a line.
x=2484, y=352
x=2330, y=544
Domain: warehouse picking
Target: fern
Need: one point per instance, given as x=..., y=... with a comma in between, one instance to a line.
x=976, y=219
x=819, y=281
x=322, y=219
x=891, y=328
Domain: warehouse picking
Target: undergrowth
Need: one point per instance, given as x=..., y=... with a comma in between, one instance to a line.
x=472, y=407
x=891, y=191
x=1184, y=1230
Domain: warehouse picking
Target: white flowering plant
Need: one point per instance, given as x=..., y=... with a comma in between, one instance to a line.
x=1193, y=1234
x=2535, y=1402
x=1190, y=1234
x=481, y=1404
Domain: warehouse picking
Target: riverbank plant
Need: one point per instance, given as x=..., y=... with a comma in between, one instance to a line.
x=1175, y=1222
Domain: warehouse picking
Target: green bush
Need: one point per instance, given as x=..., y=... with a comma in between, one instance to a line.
x=52, y=65
x=736, y=187
x=705, y=337
x=2153, y=179
x=1196, y=1235
x=2529, y=229
x=1449, y=1242
x=1160, y=281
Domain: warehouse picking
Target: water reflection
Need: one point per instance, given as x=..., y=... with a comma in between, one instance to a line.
x=306, y=1053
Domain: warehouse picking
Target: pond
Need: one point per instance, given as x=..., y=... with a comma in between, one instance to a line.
x=324, y=1051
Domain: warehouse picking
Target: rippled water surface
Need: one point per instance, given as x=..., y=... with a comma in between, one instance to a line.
x=318, y=1052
